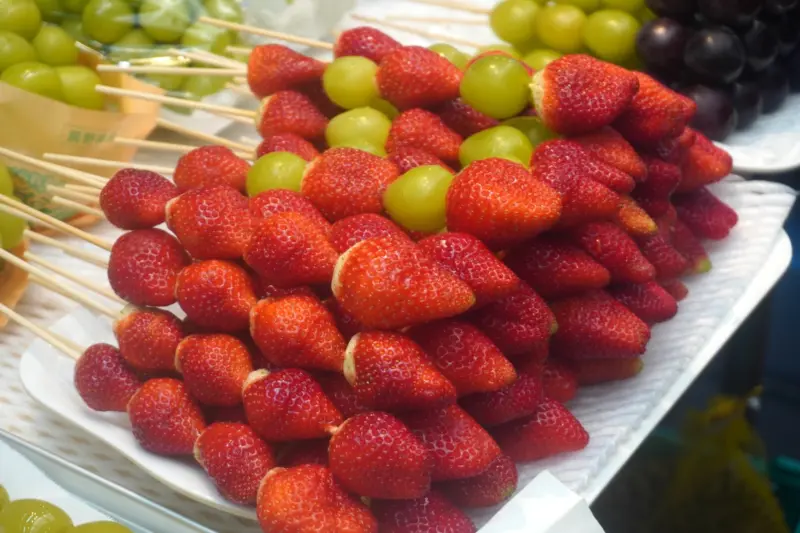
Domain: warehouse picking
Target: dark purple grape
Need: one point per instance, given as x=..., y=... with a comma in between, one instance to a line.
x=774, y=86
x=716, y=116
x=660, y=44
x=737, y=13
x=747, y=101
x=715, y=55
x=787, y=28
x=761, y=43
x=792, y=68
x=780, y=6
x=676, y=9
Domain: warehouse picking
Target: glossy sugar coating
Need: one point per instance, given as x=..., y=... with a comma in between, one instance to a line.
x=412, y=76
x=431, y=512
x=214, y=368
x=103, y=380
x=275, y=67
x=136, y=199
x=494, y=486
x=609, y=146
x=615, y=250
x=423, y=129
x=464, y=119
x=148, y=338
x=207, y=166
x=509, y=403
x=287, y=142
x=351, y=230
x=290, y=112
x=364, y=41
x=408, y=157
x=268, y=203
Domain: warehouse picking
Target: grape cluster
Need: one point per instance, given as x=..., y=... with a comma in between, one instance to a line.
x=736, y=58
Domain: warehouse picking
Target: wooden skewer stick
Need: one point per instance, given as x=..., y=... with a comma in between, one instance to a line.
x=239, y=89
x=69, y=194
x=83, y=282
x=72, y=174
x=244, y=50
x=67, y=248
x=201, y=56
x=416, y=31
x=205, y=137
x=69, y=348
x=442, y=20
x=173, y=71
x=212, y=108
x=94, y=191
x=287, y=37
x=453, y=4
x=249, y=140
x=77, y=206
x=168, y=147
x=103, y=163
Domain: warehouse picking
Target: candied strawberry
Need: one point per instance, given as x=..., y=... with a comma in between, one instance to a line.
x=615, y=250
x=594, y=371
x=563, y=156
x=268, y=203
x=429, y=513
x=654, y=194
x=214, y=368
x=494, y=486
x=413, y=76
x=408, y=157
x=676, y=288
x=290, y=112
x=705, y=163
x=287, y=142
x=690, y=247
x=667, y=260
x=341, y=393
x=103, y=379
x=633, y=219
x=609, y=146
x=364, y=41
x=464, y=119
x=275, y=67
x=514, y=401
x=136, y=199
x=353, y=229
x=148, y=338
x=207, y=166
x=706, y=215
x=422, y=129
x=649, y=301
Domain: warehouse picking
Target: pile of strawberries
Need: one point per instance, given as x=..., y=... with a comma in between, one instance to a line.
x=328, y=355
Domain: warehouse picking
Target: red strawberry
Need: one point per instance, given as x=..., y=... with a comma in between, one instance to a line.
x=463, y=118
x=615, y=250
x=559, y=381
x=497, y=201
x=510, y=403
x=422, y=129
x=275, y=67
x=607, y=145
x=705, y=163
x=103, y=380
x=224, y=413
x=315, y=92
x=465, y=356
x=556, y=268
x=148, y=338
x=386, y=283
x=352, y=230
x=550, y=431
x=136, y=199
x=347, y=324
x=674, y=150
x=633, y=219
x=429, y=513
x=211, y=222
x=268, y=203
x=592, y=372
x=649, y=301
x=595, y=326
x=668, y=262
x=676, y=288
x=408, y=157
x=552, y=158
x=235, y=458
x=164, y=418
x=144, y=265
x=389, y=371
x=377, y=456
x=287, y=142
x=413, y=76
x=578, y=94
x=216, y=294
x=690, y=247
x=494, y=486
x=290, y=112
x=306, y=499
x=211, y=165
x=518, y=322
x=297, y=331
x=654, y=194
x=473, y=263
x=305, y=452
x=341, y=393
x=706, y=215
x=214, y=368
x=288, y=405
x=346, y=181
x=364, y=41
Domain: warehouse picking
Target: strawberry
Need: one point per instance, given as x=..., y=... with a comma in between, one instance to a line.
x=297, y=331
x=577, y=94
x=551, y=158
x=224, y=413
x=408, y=157
x=559, y=381
x=235, y=458
x=346, y=181
x=103, y=380
x=674, y=150
x=649, y=301
x=427, y=514
x=472, y=262
x=690, y=247
x=207, y=166
x=264, y=289
x=214, y=368
x=554, y=267
x=462, y=118
x=492, y=487
x=633, y=219
x=164, y=417
x=668, y=262
x=387, y=283
x=656, y=112
x=615, y=250
x=345, y=322
x=595, y=326
x=288, y=405
x=550, y=431
x=705, y=163
x=518, y=322
x=307, y=499
x=497, y=201
x=136, y=199
x=413, y=76
x=676, y=288
x=594, y=371
x=268, y=203
x=375, y=455
x=422, y=129
x=654, y=194
x=341, y=393
x=275, y=67
x=290, y=112
x=287, y=142
x=352, y=230
x=509, y=403
x=706, y=215
x=305, y=452
x=464, y=355
x=607, y=145
x=216, y=294
x=148, y=338
x=389, y=371
x=364, y=41
x=211, y=222
x=143, y=267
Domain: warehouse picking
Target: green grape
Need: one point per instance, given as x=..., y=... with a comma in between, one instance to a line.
x=507, y=48
x=416, y=200
x=501, y=141
x=78, y=85
x=74, y=6
x=55, y=47
x=168, y=82
x=364, y=146
x=14, y=49
x=198, y=87
x=33, y=516
x=135, y=43
x=51, y=10
x=497, y=86
x=450, y=53
x=513, y=20
x=350, y=82
x=646, y=15
x=276, y=170
x=11, y=236
x=207, y=37
x=100, y=527
x=385, y=107
x=74, y=26
x=560, y=27
x=631, y=6
x=538, y=59
x=587, y=6
x=611, y=35
x=533, y=128
x=227, y=10
x=6, y=189
x=21, y=17
x=4, y=499
x=107, y=21
x=165, y=20
x=360, y=124
x=34, y=77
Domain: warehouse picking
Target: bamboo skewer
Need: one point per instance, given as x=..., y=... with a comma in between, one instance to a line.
x=67, y=248
x=205, y=137
x=64, y=172
x=66, y=346
x=104, y=163
x=213, y=108
x=287, y=37
x=77, y=206
x=69, y=194
x=94, y=191
x=202, y=56
x=239, y=50
x=170, y=147
x=239, y=89
x=173, y=71
x=416, y=31
x=441, y=20
x=453, y=4
x=83, y=282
